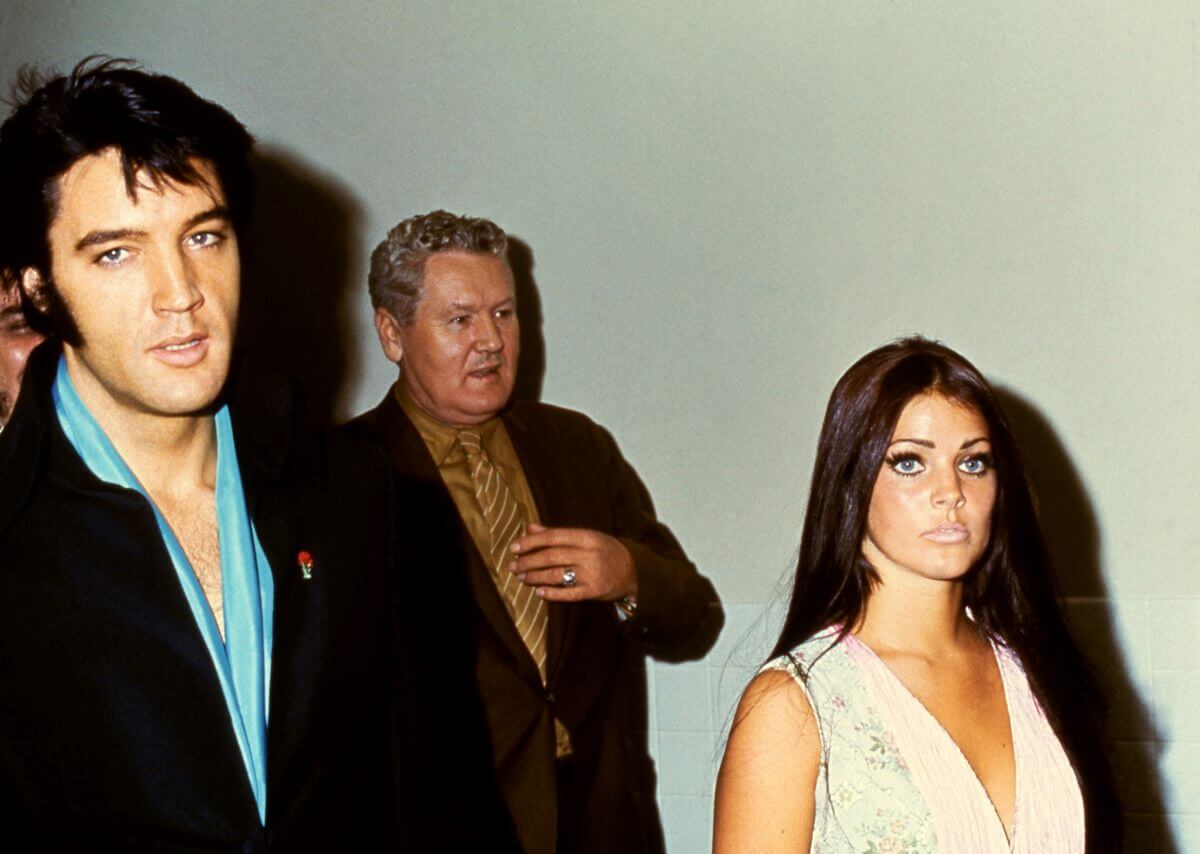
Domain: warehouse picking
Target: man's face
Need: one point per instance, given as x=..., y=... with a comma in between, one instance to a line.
x=17, y=341
x=460, y=352
x=152, y=285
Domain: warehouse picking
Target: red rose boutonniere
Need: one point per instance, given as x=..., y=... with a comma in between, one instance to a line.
x=305, y=561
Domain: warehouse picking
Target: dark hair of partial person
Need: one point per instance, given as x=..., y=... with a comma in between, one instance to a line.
x=398, y=262
x=160, y=127
x=1010, y=591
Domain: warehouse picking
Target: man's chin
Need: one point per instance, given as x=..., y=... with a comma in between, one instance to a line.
x=5, y=408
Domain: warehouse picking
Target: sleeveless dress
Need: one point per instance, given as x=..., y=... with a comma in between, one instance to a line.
x=892, y=779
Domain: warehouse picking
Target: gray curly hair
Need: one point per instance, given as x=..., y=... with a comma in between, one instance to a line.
x=398, y=262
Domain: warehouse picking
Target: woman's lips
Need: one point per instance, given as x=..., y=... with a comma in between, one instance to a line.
x=948, y=535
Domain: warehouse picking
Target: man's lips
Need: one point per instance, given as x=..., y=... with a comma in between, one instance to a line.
x=182, y=351
x=948, y=534
x=485, y=370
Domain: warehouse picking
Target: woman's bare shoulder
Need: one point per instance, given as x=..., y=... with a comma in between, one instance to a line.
x=772, y=758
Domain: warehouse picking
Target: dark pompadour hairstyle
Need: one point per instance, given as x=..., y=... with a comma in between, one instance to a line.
x=1011, y=589
x=159, y=126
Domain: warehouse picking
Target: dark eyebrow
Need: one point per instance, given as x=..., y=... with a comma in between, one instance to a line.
x=216, y=212
x=95, y=238
x=925, y=443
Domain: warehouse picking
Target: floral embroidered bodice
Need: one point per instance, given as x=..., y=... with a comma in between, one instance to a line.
x=892, y=780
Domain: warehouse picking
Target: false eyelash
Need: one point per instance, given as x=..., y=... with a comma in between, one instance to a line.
x=989, y=464
x=893, y=460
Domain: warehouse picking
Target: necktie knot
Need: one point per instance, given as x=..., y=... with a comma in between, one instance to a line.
x=471, y=442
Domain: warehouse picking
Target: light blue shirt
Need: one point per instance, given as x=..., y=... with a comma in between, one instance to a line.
x=243, y=659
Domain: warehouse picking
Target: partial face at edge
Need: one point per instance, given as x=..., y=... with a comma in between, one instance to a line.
x=459, y=354
x=931, y=508
x=151, y=282
x=17, y=340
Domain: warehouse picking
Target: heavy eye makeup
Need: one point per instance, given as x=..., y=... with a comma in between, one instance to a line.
x=976, y=465
x=909, y=464
x=905, y=463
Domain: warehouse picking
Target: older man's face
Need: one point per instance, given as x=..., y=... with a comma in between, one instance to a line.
x=460, y=351
x=17, y=341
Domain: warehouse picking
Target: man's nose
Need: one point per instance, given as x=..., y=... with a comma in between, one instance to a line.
x=175, y=286
x=489, y=339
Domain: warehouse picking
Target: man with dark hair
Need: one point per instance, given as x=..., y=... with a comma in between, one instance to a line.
x=193, y=596
x=570, y=573
x=17, y=340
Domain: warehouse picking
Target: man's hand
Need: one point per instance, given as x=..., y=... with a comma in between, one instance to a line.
x=602, y=565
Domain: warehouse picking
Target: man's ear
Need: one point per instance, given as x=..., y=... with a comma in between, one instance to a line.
x=388, y=329
x=34, y=286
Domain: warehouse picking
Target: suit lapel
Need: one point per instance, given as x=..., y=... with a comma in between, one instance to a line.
x=407, y=451
x=261, y=408
x=549, y=496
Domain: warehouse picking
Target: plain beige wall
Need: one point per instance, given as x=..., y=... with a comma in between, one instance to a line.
x=727, y=203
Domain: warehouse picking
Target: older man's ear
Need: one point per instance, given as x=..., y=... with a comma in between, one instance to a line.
x=388, y=329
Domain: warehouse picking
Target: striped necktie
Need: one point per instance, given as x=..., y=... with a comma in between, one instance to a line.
x=506, y=521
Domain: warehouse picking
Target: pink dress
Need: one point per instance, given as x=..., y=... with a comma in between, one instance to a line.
x=892, y=779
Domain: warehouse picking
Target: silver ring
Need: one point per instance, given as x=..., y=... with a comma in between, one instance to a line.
x=568, y=579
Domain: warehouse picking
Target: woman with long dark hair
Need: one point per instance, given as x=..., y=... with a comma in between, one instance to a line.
x=925, y=693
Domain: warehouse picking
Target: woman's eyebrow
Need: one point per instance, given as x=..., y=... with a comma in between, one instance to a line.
x=925, y=443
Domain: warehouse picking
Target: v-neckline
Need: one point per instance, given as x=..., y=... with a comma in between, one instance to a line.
x=981, y=790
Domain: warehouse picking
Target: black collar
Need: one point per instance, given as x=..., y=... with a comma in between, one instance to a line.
x=260, y=404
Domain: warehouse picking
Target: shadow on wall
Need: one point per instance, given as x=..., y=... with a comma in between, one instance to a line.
x=1073, y=537
x=531, y=371
x=299, y=273
x=531, y=367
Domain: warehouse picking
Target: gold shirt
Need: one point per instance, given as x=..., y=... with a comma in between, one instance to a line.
x=442, y=442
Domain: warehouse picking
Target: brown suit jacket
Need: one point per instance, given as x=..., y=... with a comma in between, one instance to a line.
x=595, y=683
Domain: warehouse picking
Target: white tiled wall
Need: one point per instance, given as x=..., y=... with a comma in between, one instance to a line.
x=1148, y=648
x=692, y=705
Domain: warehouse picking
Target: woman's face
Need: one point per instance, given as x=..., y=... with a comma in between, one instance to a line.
x=931, y=508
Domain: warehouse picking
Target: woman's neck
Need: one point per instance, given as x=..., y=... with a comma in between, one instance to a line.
x=916, y=616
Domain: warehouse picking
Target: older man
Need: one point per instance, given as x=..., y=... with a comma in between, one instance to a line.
x=193, y=602
x=17, y=340
x=566, y=562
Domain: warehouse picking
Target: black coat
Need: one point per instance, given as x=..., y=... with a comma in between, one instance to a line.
x=595, y=683
x=114, y=732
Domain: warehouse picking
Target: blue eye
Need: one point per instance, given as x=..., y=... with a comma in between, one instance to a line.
x=906, y=465
x=205, y=239
x=977, y=465
x=113, y=256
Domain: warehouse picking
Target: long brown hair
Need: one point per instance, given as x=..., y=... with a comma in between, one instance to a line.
x=1010, y=590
